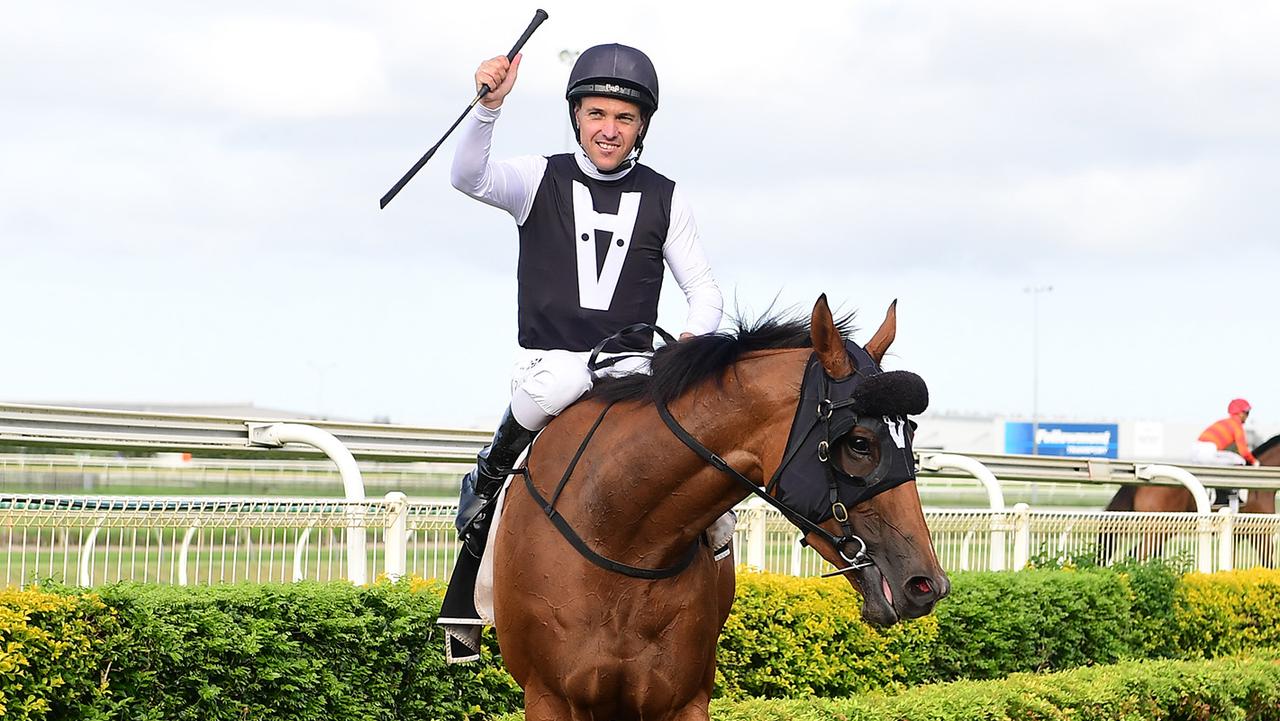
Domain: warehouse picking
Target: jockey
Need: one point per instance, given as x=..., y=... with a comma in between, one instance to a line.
x=595, y=229
x=1224, y=443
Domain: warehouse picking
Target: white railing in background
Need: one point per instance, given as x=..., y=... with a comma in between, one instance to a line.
x=174, y=470
x=54, y=426
x=91, y=540
x=33, y=426
x=96, y=539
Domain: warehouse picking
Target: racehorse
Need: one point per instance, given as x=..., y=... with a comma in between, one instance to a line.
x=1179, y=499
x=626, y=627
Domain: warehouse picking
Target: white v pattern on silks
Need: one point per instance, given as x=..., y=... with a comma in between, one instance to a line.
x=596, y=292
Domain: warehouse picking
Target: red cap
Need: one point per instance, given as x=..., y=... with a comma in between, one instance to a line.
x=1238, y=405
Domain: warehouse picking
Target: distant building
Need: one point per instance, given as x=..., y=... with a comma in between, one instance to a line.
x=1092, y=438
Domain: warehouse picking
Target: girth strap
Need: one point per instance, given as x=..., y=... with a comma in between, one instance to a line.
x=576, y=541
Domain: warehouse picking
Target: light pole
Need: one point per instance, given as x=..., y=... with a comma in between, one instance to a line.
x=1035, y=291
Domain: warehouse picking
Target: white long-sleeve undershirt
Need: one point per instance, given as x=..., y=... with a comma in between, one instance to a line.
x=512, y=185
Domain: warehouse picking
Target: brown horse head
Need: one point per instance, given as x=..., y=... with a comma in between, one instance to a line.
x=904, y=579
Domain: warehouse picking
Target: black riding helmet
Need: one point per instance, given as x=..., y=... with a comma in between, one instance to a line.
x=615, y=71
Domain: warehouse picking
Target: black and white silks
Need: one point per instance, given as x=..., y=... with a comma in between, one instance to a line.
x=514, y=185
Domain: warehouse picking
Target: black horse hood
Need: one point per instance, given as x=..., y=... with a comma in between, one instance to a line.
x=810, y=481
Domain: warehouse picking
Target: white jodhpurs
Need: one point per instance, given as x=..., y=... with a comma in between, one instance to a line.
x=545, y=382
x=1206, y=454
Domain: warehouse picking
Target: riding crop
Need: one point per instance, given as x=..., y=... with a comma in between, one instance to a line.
x=538, y=17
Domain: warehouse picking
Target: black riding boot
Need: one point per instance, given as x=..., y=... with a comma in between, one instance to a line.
x=480, y=486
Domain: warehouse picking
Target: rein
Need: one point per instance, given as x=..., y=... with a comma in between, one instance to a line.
x=548, y=507
x=822, y=420
x=859, y=559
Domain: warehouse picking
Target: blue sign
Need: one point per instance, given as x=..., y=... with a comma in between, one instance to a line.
x=1094, y=440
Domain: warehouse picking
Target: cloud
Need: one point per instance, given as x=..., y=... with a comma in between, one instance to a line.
x=279, y=67
x=225, y=156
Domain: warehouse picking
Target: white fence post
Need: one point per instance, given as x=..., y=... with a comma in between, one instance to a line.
x=300, y=550
x=995, y=496
x=756, y=536
x=999, y=522
x=1204, y=550
x=278, y=434
x=1021, y=535
x=1226, y=537
x=797, y=555
x=86, y=554
x=182, y=555
x=395, y=543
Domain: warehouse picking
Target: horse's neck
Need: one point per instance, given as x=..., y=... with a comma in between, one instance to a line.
x=671, y=493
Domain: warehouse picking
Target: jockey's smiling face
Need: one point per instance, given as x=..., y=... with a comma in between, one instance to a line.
x=607, y=129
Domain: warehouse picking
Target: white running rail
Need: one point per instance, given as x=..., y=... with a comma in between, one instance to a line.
x=95, y=539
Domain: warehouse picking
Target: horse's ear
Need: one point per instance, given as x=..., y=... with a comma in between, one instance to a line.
x=827, y=341
x=883, y=338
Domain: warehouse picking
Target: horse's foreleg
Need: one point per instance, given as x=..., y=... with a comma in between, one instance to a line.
x=697, y=710
x=542, y=705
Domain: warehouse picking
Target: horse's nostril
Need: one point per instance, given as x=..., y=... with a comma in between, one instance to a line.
x=920, y=585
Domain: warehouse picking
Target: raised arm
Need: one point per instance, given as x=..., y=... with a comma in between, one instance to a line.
x=509, y=184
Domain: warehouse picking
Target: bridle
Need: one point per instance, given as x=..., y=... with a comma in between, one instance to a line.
x=858, y=560
x=822, y=420
x=832, y=416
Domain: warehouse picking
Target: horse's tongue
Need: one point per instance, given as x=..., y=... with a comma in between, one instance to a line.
x=888, y=593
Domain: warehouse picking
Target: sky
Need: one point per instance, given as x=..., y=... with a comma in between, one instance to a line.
x=189, y=195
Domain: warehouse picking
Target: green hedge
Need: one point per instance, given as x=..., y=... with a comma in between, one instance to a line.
x=1222, y=613
x=299, y=651
x=798, y=637
x=335, y=652
x=1230, y=688
x=793, y=637
x=53, y=652
x=280, y=652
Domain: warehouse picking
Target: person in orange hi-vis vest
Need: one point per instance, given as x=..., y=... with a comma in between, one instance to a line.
x=1224, y=443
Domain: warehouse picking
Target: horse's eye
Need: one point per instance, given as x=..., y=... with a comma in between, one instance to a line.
x=859, y=445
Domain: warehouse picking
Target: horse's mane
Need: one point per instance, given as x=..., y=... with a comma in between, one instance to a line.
x=677, y=367
x=1266, y=445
